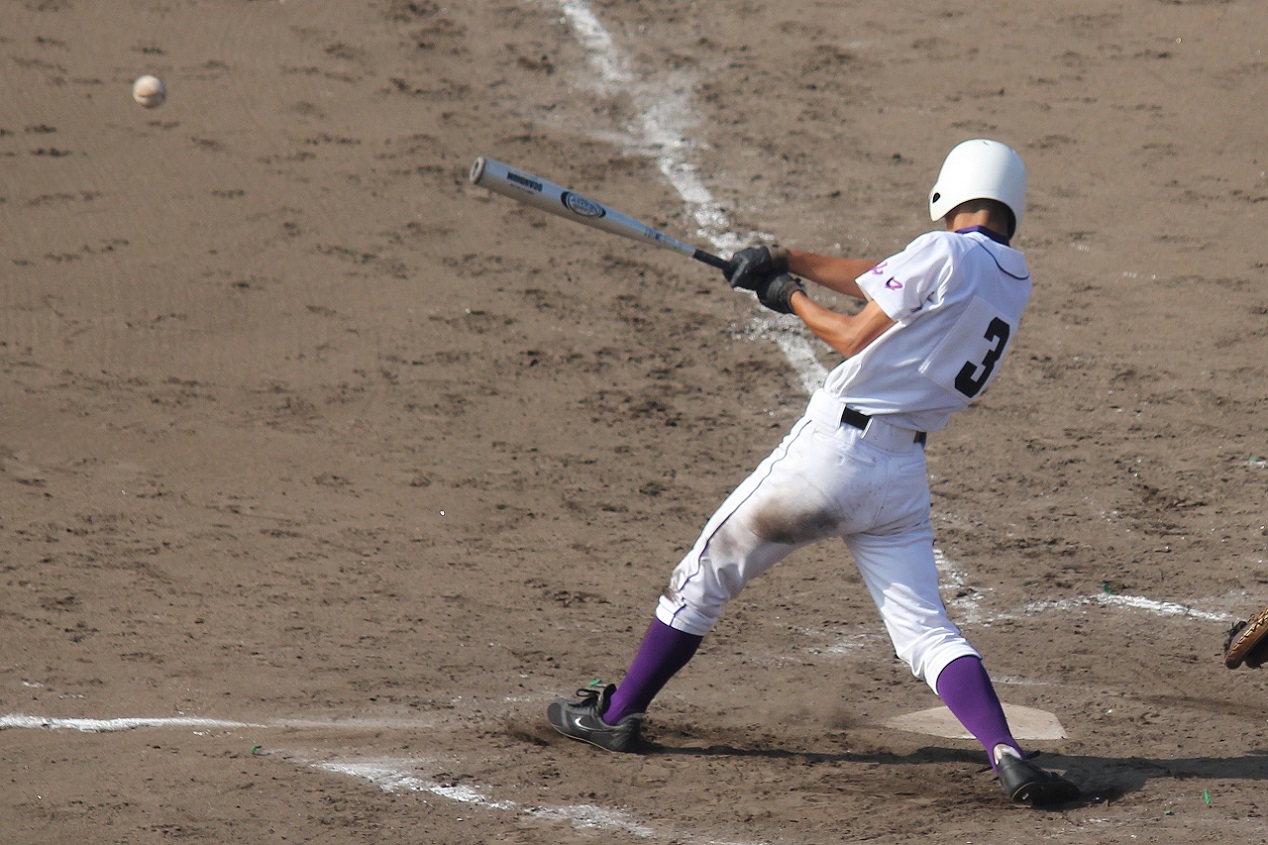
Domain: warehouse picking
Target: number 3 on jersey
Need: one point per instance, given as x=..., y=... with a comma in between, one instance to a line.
x=966, y=359
x=973, y=377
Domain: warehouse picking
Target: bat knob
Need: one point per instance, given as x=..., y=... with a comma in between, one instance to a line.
x=477, y=169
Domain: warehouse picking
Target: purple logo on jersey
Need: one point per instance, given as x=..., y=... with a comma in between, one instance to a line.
x=879, y=269
x=894, y=284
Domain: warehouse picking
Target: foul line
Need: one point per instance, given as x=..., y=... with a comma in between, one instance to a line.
x=662, y=133
x=388, y=775
x=18, y=720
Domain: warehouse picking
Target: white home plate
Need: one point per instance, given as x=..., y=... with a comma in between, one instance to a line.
x=1025, y=722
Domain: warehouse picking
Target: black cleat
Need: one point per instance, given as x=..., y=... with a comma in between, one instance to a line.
x=581, y=720
x=1026, y=783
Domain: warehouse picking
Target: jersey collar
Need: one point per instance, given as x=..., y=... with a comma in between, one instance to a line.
x=990, y=233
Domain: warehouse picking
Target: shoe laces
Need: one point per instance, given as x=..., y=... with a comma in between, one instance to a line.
x=591, y=692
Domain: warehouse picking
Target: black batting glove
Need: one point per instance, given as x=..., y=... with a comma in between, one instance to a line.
x=776, y=292
x=754, y=265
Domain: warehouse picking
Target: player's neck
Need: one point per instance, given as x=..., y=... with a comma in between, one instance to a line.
x=983, y=219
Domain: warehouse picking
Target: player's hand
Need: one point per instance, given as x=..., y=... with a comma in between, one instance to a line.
x=777, y=291
x=757, y=264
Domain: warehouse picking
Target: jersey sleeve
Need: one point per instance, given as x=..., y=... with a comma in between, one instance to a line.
x=902, y=283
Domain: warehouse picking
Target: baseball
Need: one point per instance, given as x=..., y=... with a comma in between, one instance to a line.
x=149, y=91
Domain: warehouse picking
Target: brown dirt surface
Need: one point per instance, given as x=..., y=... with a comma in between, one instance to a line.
x=306, y=436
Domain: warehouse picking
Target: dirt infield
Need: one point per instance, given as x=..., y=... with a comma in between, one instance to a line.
x=323, y=471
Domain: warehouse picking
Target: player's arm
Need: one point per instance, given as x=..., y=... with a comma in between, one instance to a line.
x=754, y=266
x=833, y=272
x=847, y=334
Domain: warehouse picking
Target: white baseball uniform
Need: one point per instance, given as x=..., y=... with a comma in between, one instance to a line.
x=956, y=299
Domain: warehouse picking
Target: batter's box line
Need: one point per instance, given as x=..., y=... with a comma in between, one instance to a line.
x=397, y=776
x=130, y=723
x=202, y=724
x=390, y=776
x=954, y=579
x=1158, y=608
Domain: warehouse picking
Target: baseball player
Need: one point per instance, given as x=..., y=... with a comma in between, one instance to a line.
x=938, y=321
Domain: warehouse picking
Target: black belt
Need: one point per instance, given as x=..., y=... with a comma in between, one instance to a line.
x=860, y=420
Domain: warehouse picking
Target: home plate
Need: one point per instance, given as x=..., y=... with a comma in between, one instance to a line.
x=1025, y=722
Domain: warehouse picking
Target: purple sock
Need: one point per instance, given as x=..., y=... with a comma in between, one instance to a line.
x=664, y=651
x=966, y=690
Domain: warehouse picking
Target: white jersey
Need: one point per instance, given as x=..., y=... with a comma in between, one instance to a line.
x=956, y=299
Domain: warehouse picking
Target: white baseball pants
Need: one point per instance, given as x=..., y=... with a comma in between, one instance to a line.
x=828, y=479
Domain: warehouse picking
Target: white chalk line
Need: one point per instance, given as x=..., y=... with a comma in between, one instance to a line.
x=131, y=723
x=1158, y=608
x=971, y=613
x=970, y=604
x=18, y=720
x=395, y=776
x=664, y=118
x=387, y=775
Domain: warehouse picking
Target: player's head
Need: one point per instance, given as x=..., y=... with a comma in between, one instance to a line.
x=980, y=170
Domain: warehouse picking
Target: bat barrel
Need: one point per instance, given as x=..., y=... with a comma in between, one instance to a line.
x=528, y=189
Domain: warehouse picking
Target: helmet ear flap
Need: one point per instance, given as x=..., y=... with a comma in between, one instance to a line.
x=980, y=169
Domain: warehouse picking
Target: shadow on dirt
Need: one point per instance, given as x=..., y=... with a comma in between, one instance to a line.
x=1101, y=779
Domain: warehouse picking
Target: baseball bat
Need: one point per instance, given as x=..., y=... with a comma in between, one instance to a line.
x=540, y=193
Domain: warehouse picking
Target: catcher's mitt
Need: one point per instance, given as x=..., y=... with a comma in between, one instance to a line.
x=1248, y=642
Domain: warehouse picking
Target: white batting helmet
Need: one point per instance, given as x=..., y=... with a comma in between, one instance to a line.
x=980, y=169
